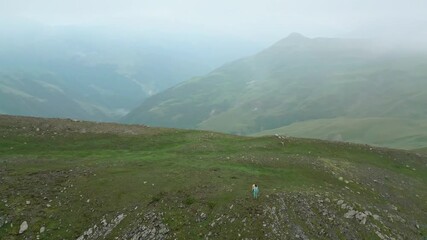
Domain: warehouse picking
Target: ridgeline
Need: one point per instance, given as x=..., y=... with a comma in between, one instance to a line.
x=67, y=179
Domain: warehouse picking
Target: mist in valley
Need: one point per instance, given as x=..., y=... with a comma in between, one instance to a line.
x=170, y=119
x=119, y=60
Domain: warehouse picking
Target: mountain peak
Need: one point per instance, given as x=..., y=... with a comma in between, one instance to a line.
x=292, y=39
x=296, y=36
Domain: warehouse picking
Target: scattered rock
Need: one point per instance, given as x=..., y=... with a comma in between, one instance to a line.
x=361, y=217
x=150, y=227
x=380, y=235
x=42, y=229
x=23, y=227
x=96, y=232
x=300, y=234
x=28, y=202
x=350, y=214
x=2, y=221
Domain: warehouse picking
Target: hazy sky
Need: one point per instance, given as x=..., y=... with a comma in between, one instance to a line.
x=270, y=19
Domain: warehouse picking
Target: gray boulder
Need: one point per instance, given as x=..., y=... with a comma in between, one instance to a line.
x=23, y=227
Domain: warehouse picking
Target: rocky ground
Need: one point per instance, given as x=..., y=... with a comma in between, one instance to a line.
x=66, y=179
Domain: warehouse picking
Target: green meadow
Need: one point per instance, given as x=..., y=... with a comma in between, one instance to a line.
x=73, y=179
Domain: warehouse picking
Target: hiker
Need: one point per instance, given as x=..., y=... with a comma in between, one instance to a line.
x=255, y=191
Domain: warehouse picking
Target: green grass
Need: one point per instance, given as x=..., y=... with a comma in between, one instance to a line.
x=422, y=150
x=385, y=132
x=163, y=168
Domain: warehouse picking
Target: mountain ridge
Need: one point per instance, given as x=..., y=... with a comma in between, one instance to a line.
x=69, y=179
x=321, y=78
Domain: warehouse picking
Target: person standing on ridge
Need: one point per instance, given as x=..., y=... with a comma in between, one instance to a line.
x=255, y=191
x=252, y=190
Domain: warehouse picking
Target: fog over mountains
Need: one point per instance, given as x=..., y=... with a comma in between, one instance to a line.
x=355, y=90
x=338, y=89
x=356, y=74
x=92, y=73
x=226, y=119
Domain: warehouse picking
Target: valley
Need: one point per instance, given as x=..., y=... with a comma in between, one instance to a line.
x=213, y=120
x=89, y=73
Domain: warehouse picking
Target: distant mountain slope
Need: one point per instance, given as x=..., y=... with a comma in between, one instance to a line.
x=297, y=79
x=390, y=132
x=92, y=73
x=95, y=93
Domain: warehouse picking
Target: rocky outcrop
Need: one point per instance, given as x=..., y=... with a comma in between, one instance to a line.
x=149, y=227
x=101, y=231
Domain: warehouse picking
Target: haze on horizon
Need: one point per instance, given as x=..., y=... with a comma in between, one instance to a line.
x=103, y=60
x=257, y=21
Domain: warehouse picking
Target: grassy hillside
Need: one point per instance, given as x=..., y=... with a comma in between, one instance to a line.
x=93, y=180
x=391, y=132
x=421, y=150
x=297, y=80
